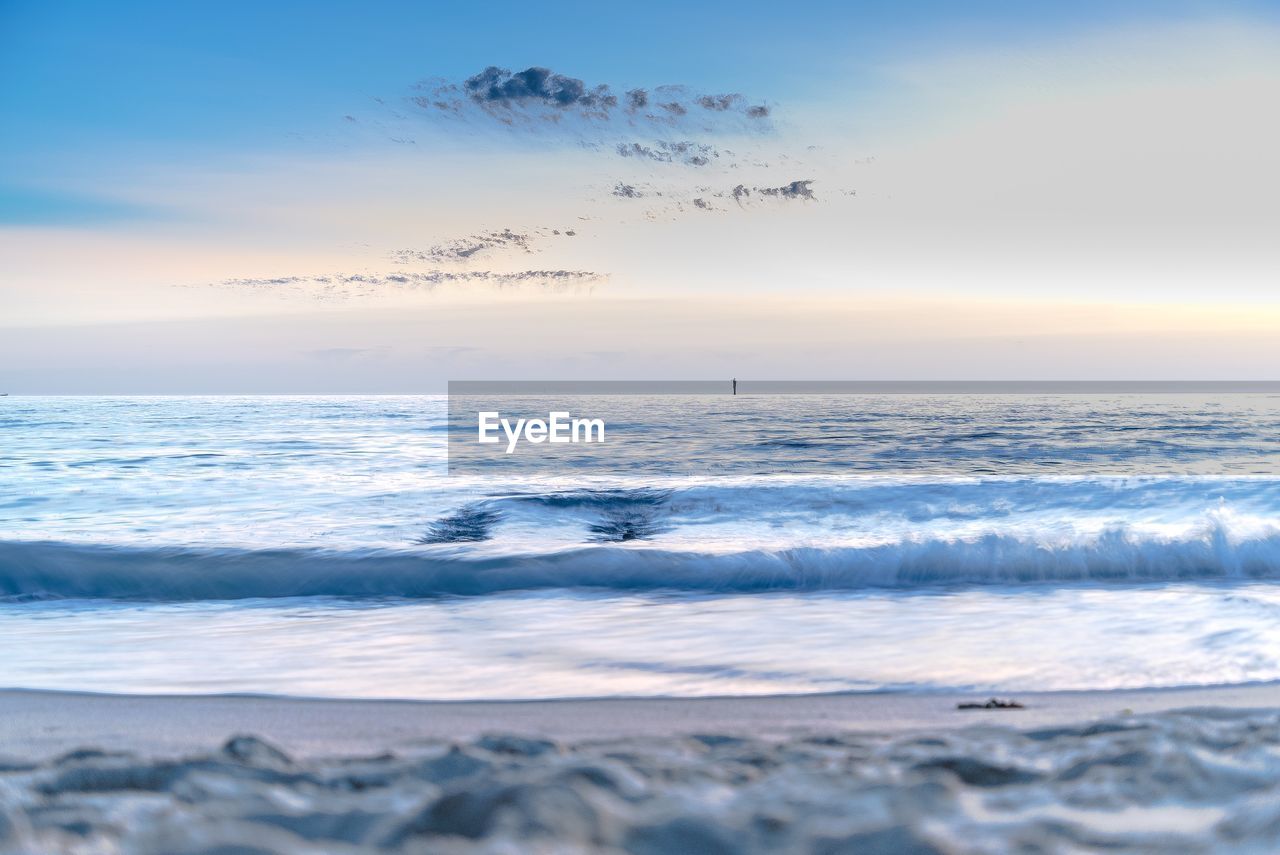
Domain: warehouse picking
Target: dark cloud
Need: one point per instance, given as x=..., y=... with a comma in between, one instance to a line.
x=497, y=85
x=759, y=111
x=675, y=108
x=637, y=99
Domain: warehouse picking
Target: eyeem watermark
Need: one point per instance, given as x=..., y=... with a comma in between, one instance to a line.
x=515, y=429
x=558, y=427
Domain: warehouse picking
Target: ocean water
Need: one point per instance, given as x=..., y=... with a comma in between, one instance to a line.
x=320, y=546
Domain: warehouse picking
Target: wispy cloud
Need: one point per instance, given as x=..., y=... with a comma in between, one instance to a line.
x=686, y=152
x=463, y=249
x=674, y=199
x=675, y=137
x=485, y=244
x=342, y=286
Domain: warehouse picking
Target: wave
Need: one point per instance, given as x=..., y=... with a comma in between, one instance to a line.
x=63, y=570
x=913, y=500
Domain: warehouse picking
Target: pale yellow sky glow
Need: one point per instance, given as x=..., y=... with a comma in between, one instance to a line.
x=388, y=349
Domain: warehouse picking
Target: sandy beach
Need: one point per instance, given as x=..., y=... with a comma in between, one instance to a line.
x=41, y=724
x=1132, y=771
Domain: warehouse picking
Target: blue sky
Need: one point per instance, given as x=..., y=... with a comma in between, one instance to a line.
x=90, y=84
x=199, y=163
x=83, y=75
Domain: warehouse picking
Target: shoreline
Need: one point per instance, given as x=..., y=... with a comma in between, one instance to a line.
x=44, y=723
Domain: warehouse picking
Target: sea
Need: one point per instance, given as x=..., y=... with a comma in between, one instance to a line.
x=323, y=546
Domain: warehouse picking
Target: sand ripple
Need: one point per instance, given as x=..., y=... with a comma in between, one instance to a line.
x=1187, y=782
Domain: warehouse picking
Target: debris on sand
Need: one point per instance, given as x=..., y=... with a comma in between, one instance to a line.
x=992, y=704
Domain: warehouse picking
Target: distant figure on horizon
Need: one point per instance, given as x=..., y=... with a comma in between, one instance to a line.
x=735, y=385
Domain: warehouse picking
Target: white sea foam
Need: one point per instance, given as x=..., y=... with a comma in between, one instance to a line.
x=1210, y=551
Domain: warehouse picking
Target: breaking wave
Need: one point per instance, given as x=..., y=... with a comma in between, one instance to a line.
x=1117, y=555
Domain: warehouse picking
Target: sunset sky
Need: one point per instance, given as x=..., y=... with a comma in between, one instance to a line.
x=379, y=197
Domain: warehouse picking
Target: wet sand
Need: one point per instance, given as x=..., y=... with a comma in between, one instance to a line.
x=40, y=723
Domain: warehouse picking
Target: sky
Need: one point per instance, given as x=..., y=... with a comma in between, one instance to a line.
x=379, y=197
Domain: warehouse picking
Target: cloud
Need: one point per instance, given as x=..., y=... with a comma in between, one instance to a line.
x=686, y=152
x=353, y=285
x=741, y=193
x=719, y=103
x=539, y=93
x=463, y=249
x=670, y=123
x=626, y=191
x=668, y=200
x=794, y=190
x=484, y=244
x=497, y=85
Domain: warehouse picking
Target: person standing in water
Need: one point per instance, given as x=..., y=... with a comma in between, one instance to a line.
x=735, y=385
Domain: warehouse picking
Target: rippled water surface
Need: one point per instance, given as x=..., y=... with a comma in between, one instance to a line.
x=318, y=546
